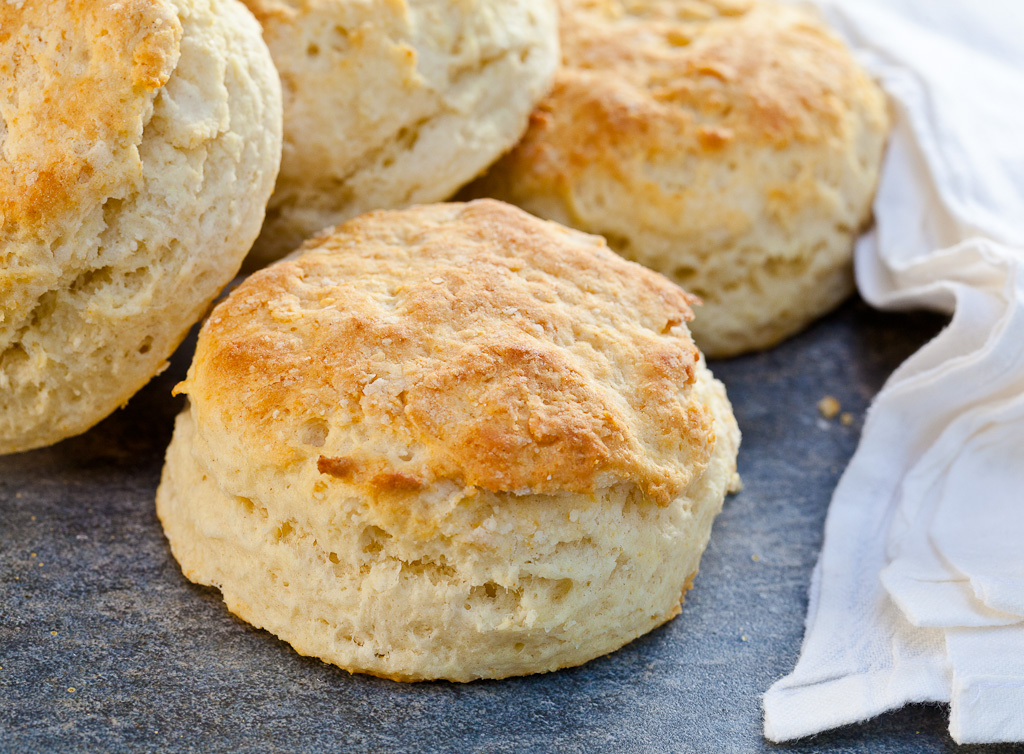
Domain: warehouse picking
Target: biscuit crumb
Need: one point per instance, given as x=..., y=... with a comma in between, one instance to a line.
x=829, y=407
x=133, y=69
x=71, y=689
x=485, y=471
x=511, y=60
x=846, y=419
x=776, y=63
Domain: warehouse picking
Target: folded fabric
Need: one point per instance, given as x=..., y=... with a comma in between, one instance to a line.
x=918, y=595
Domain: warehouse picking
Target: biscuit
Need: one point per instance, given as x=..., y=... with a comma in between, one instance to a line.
x=389, y=103
x=453, y=441
x=139, y=142
x=733, y=146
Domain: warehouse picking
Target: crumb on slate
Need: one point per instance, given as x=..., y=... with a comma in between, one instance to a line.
x=829, y=407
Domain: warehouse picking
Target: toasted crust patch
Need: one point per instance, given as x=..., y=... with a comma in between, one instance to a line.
x=708, y=73
x=733, y=146
x=446, y=330
x=70, y=135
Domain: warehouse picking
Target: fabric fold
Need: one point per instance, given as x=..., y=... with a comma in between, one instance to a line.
x=918, y=595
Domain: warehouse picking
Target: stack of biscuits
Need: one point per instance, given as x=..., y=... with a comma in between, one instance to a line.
x=425, y=439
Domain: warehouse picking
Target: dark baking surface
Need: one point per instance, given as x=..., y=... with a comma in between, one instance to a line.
x=91, y=600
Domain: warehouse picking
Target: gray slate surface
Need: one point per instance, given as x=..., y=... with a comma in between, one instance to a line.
x=91, y=599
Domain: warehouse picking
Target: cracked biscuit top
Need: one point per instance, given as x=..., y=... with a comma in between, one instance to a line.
x=468, y=343
x=72, y=112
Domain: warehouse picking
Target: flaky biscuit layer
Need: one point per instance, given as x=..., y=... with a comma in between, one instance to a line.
x=733, y=146
x=449, y=442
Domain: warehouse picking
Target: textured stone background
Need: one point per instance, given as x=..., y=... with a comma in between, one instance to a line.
x=91, y=600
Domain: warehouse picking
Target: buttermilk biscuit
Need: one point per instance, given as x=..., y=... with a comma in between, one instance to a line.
x=389, y=103
x=733, y=146
x=451, y=442
x=138, y=145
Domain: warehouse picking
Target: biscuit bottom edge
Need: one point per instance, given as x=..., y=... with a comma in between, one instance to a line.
x=491, y=606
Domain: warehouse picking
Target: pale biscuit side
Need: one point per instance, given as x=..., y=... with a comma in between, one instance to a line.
x=507, y=585
x=389, y=104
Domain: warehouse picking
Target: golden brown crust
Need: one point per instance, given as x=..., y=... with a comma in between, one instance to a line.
x=707, y=72
x=644, y=80
x=733, y=146
x=265, y=10
x=72, y=125
x=139, y=142
x=465, y=342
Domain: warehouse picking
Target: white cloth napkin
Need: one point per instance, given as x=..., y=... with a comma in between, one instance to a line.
x=918, y=594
